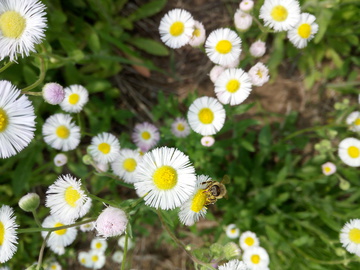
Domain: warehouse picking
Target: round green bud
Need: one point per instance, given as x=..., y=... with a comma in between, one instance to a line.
x=340, y=252
x=87, y=159
x=344, y=185
x=30, y=202
x=216, y=249
x=231, y=251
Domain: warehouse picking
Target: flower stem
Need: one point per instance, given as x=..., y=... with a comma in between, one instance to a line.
x=181, y=244
x=36, y=219
x=41, y=76
x=31, y=93
x=125, y=251
x=41, y=254
x=8, y=64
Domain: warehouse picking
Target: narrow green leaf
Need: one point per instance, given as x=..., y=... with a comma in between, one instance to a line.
x=148, y=10
x=150, y=46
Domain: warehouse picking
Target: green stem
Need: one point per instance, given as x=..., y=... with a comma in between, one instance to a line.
x=41, y=76
x=32, y=93
x=41, y=254
x=36, y=219
x=125, y=251
x=42, y=229
x=96, y=198
x=8, y=64
x=181, y=244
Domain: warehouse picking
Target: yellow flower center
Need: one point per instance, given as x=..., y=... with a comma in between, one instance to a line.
x=98, y=245
x=165, y=177
x=83, y=261
x=145, y=135
x=233, y=85
x=12, y=24
x=357, y=122
x=304, y=30
x=255, y=259
x=74, y=98
x=71, y=196
x=104, y=148
x=206, y=116
x=327, y=169
x=53, y=267
x=177, y=28
x=223, y=46
x=279, y=13
x=4, y=120
x=259, y=73
x=60, y=232
x=353, y=152
x=198, y=202
x=2, y=233
x=249, y=241
x=233, y=230
x=354, y=236
x=62, y=132
x=129, y=164
x=196, y=32
x=95, y=258
x=180, y=127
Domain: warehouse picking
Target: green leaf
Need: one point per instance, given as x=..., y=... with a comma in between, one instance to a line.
x=323, y=21
x=150, y=46
x=247, y=145
x=148, y=10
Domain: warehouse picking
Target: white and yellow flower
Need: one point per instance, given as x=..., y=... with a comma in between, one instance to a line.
x=145, y=136
x=60, y=132
x=234, y=265
x=256, y=258
x=167, y=178
x=233, y=86
x=206, y=116
x=99, y=244
x=328, y=168
x=259, y=74
x=223, y=46
x=248, y=239
x=76, y=96
x=22, y=26
x=176, y=28
x=303, y=31
x=353, y=120
x=97, y=259
x=180, y=127
x=349, y=152
x=17, y=120
x=280, y=15
x=232, y=231
x=126, y=165
x=194, y=208
x=350, y=236
x=67, y=200
x=198, y=35
x=104, y=147
x=8, y=234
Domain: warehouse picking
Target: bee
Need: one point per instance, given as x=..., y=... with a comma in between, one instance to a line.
x=215, y=190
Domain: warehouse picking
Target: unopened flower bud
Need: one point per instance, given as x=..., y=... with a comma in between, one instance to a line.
x=30, y=202
x=87, y=159
x=231, y=251
x=53, y=93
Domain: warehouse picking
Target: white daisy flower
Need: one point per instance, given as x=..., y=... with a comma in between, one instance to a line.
x=215, y=72
x=167, y=178
x=58, y=239
x=223, y=46
x=234, y=265
x=180, y=128
x=67, y=200
x=248, y=239
x=22, y=25
x=259, y=74
x=350, y=236
x=104, y=147
x=145, y=136
x=99, y=244
x=194, y=208
x=304, y=31
x=328, y=168
x=97, y=259
x=353, y=120
x=126, y=165
x=118, y=256
x=246, y=5
x=60, y=160
x=281, y=15
x=85, y=259
x=256, y=258
x=121, y=242
x=53, y=266
x=349, y=152
x=242, y=20
x=198, y=35
x=206, y=116
x=8, y=234
x=233, y=86
x=60, y=132
x=176, y=28
x=232, y=231
x=76, y=96
x=17, y=120
x=87, y=227
x=207, y=141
